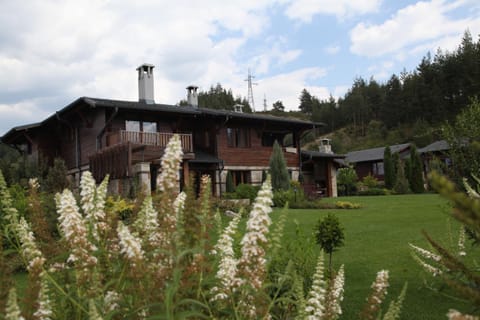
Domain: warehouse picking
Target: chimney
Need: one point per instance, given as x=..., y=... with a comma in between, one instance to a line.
x=325, y=146
x=145, y=83
x=192, y=96
x=238, y=108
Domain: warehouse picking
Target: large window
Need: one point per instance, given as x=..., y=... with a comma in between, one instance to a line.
x=238, y=137
x=140, y=126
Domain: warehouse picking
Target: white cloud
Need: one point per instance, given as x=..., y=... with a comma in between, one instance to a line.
x=415, y=26
x=333, y=49
x=304, y=10
x=62, y=50
x=287, y=88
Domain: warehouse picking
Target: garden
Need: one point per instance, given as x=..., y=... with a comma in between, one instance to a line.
x=174, y=256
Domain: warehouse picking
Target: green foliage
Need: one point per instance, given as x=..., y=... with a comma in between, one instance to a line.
x=56, y=179
x=329, y=235
x=278, y=169
x=416, y=171
x=246, y=191
x=464, y=140
x=229, y=183
x=218, y=97
x=347, y=205
x=458, y=272
x=347, y=179
x=374, y=192
x=370, y=181
x=389, y=168
x=278, y=106
x=401, y=185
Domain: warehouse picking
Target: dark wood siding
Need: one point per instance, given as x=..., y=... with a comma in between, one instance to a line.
x=255, y=155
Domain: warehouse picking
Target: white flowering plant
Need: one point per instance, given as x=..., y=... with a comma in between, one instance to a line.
x=165, y=260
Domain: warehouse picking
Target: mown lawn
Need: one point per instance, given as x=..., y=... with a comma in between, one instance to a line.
x=376, y=238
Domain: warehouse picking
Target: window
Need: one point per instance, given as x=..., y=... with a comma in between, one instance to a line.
x=378, y=169
x=140, y=126
x=149, y=126
x=132, y=125
x=241, y=177
x=238, y=137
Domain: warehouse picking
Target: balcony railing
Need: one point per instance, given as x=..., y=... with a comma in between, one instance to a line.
x=157, y=139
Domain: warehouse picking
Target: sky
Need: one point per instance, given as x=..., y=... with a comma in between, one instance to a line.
x=53, y=52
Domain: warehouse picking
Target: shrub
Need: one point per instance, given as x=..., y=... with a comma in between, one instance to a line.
x=370, y=181
x=246, y=191
x=373, y=192
x=347, y=205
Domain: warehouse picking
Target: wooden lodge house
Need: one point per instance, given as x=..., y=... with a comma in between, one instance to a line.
x=126, y=140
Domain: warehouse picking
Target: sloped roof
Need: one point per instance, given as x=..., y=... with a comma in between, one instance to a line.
x=318, y=154
x=440, y=145
x=373, y=154
x=173, y=109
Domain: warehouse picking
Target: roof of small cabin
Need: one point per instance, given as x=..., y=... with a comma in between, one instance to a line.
x=373, y=154
x=318, y=154
x=165, y=108
x=440, y=145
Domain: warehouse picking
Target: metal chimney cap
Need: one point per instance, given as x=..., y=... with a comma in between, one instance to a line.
x=145, y=66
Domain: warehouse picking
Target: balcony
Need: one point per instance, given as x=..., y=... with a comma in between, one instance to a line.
x=154, y=139
x=126, y=148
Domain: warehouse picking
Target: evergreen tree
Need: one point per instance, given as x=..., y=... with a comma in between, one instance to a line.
x=278, y=106
x=278, y=169
x=401, y=185
x=416, y=171
x=306, y=102
x=229, y=183
x=464, y=140
x=389, y=168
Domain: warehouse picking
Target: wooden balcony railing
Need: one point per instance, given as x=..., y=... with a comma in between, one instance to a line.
x=157, y=139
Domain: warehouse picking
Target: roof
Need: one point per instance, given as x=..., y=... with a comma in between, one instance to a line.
x=440, y=145
x=373, y=154
x=318, y=154
x=180, y=110
x=203, y=157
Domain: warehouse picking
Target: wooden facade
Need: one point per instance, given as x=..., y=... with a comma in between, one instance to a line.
x=97, y=135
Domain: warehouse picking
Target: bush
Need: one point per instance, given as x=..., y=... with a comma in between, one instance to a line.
x=370, y=181
x=246, y=191
x=347, y=205
x=374, y=192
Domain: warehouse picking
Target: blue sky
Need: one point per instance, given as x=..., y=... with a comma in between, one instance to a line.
x=52, y=52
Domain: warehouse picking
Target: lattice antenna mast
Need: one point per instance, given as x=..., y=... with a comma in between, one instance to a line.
x=250, y=90
x=264, y=102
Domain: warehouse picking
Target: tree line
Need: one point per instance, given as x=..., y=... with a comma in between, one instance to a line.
x=437, y=90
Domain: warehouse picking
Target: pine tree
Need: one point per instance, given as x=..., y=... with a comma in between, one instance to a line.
x=401, y=185
x=389, y=168
x=278, y=169
x=416, y=171
x=229, y=183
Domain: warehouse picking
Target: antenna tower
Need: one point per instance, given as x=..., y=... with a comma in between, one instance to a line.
x=264, y=102
x=250, y=90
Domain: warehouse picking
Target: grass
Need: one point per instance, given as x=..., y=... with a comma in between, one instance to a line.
x=376, y=238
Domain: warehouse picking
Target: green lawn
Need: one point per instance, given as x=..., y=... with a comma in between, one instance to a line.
x=376, y=238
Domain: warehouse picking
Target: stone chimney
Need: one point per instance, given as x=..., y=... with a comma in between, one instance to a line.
x=145, y=83
x=325, y=146
x=192, y=96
